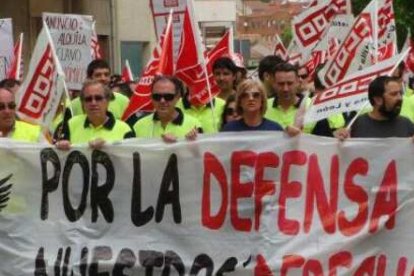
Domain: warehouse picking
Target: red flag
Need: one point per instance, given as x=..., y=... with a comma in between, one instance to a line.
x=16, y=68
x=222, y=48
x=126, y=74
x=166, y=58
x=190, y=67
x=161, y=62
x=95, y=47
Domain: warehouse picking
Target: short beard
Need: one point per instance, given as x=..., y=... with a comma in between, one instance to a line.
x=390, y=114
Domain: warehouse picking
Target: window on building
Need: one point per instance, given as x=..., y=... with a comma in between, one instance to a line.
x=133, y=52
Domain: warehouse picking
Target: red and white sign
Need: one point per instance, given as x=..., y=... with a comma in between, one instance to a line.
x=72, y=36
x=373, y=30
x=351, y=93
x=310, y=25
x=41, y=91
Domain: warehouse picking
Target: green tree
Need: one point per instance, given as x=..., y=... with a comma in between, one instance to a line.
x=286, y=36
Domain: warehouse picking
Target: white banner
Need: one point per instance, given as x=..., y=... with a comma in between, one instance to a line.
x=71, y=34
x=251, y=204
x=6, y=46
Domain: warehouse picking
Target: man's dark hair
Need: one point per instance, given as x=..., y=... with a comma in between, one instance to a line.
x=96, y=64
x=267, y=64
x=377, y=87
x=9, y=83
x=285, y=67
x=178, y=85
x=316, y=80
x=225, y=63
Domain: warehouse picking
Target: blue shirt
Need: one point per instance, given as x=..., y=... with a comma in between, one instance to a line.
x=240, y=125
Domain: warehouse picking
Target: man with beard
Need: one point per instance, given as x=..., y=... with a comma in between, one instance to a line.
x=385, y=96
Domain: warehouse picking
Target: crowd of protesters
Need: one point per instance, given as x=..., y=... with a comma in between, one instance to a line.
x=272, y=102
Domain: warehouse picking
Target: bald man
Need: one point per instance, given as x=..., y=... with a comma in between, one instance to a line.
x=12, y=128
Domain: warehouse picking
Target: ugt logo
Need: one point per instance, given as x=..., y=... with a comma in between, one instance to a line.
x=5, y=190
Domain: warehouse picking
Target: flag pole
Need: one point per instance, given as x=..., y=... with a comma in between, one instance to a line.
x=375, y=29
x=18, y=65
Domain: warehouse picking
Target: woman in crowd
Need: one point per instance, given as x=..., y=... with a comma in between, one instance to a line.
x=251, y=106
x=229, y=111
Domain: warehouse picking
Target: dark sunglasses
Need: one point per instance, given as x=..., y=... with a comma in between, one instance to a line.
x=303, y=76
x=97, y=98
x=255, y=95
x=11, y=106
x=230, y=111
x=167, y=97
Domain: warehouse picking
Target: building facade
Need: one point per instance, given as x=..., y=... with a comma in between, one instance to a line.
x=125, y=28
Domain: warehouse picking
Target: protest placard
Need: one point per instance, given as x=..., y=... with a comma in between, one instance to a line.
x=71, y=34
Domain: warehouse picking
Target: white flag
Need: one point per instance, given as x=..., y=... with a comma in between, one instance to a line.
x=365, y=44
x=349, y=94
x=39, y=96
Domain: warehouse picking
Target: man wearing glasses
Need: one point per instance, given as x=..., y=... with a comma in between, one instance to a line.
x=99, y=70
x=167, y=122
x=12, y=128
x=97, y=125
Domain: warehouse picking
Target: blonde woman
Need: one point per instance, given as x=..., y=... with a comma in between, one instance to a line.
x=251, y=104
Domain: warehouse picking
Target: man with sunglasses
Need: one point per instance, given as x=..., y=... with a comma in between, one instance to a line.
x=167, y=122
x=99, y=70
x=97, y=125
x=12, y=128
